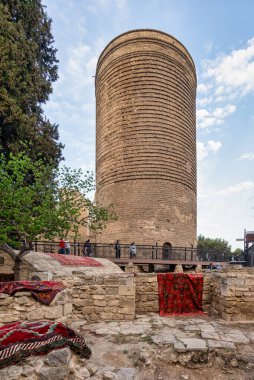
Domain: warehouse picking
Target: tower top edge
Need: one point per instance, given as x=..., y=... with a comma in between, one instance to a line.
x=143, y=34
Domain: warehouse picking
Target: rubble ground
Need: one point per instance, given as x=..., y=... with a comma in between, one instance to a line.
x=153, y=347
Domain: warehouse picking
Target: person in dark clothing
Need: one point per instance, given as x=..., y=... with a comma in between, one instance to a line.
x=118, y=249
x=88, y=248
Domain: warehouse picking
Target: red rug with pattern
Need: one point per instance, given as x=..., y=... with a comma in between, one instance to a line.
x=20, y=340
x=180, y=293
x=71, y=260
x=42, y=291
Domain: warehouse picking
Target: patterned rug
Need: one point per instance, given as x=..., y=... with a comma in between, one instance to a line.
x=42, y=291
x=71, y=260
x=20, y=340
x=180, y=293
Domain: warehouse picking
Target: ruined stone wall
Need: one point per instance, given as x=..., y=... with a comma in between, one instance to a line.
x=108, y=297
x=7, y=267
x=147, y=297
x=146, y=139
x=233, y=295
x=23, y=307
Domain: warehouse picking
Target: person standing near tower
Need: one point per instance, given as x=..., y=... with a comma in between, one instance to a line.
x=132, y=250
x=118, y=249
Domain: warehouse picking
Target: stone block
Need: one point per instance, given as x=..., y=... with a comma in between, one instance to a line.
x=88, y=310
x=67, y=309
x=106, y=316
x=100, y=302
x=126, y=290
x=98, y=297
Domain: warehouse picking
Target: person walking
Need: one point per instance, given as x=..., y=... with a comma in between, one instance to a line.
x=88, y=249
x=67, y=247
x=132, y=250
x=61, y=247
x=118, y=249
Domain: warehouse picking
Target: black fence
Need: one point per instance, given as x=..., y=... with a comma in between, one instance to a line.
x=154, y=252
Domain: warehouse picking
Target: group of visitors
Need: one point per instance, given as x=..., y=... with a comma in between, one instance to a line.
x=64, y=247
x=132, y=250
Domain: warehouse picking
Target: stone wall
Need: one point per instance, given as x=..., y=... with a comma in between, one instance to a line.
x=7, y=267
x=23, y=307
x=147, y=298
x=233, y=295
x=106, y=297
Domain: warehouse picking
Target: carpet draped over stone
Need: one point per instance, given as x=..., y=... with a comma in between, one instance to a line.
x=42, y=291
x=180, y=293
x=20, y=340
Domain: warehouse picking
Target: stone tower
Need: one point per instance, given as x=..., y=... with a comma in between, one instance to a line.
x=146, y=139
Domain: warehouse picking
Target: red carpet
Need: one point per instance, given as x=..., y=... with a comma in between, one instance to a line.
x=20, y=340
x=42, y=291
x=180, y=293
x=71, y=260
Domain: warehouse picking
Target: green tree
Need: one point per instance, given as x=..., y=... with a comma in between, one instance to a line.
x=34, y=206
x=218, y=244
x=28, y=67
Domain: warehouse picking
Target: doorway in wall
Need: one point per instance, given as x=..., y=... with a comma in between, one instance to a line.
x=166, y=251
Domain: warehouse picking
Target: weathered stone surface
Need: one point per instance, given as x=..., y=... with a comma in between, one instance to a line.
x=126, y=374
x=193, y=344
x=11, y=373
x=58, y=357
x=108, y=375
x=50, y=373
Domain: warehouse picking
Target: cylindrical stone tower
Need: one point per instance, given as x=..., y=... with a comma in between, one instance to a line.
x=146, y=139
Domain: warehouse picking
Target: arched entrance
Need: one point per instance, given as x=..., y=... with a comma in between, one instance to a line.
x=166, y=251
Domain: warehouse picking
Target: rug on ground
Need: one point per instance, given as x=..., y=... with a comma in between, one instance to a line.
x=42, y=291
x=20, y=340
x=180, y=293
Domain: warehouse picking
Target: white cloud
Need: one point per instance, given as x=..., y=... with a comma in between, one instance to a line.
x=234, y=72
x=204, y=149
x=214, y=146
x=247, y=156
x=216, y=116
x=202, y=88
x=238, y=188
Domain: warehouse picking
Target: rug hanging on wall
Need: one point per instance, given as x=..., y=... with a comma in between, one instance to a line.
x=180, y=293
x=20, y=340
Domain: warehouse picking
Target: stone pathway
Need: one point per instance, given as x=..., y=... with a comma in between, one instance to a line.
x=170, y=348
x=184, y=333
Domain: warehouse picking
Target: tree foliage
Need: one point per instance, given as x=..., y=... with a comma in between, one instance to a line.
x=204, y=243
x=34, y=206
x=28, y=67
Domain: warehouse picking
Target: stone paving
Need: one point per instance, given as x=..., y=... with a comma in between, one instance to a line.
x=183, y=333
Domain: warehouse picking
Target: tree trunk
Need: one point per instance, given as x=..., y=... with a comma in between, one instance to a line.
x=17, y=258
x=17, y=268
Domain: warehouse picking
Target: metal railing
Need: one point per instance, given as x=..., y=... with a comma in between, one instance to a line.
x=150, y=252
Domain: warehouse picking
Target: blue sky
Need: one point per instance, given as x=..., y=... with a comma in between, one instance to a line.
x=219, y=34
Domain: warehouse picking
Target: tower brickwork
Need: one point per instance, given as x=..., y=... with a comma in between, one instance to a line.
x=146, y=139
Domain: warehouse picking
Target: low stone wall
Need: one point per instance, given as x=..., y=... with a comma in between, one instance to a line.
x=23, y=307
x=7, y=267
x=147, y=297
x=233, y=295
x=108, y=297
